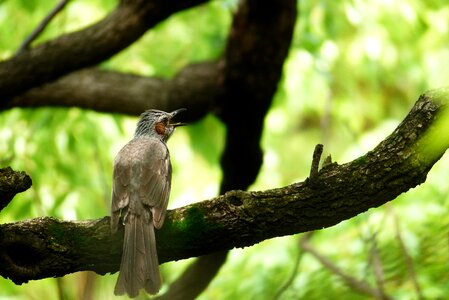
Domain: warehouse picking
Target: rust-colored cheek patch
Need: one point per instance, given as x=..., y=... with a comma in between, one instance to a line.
x=160, y=128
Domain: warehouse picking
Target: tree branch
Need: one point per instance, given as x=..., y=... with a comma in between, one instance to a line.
x=195, y=87
x=258, y=44
x=12, y=183
x=304, y=239
x=314, y=167
x=376, y=262
x=46, y=247
x=85, y=48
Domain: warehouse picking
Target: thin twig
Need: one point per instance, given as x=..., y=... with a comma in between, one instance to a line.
x=407, y=256
x=358, y=285
x=294, y=273
x=315, y=162
x=377, y=263
x=38, y=30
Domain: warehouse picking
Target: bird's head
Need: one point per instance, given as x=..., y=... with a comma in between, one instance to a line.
x=157, y=123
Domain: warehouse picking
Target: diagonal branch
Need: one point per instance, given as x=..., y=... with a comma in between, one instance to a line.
x=304, y=239
x=87, y=47
x=46, y=247
x=376, y=262
x=358, y=285
x=406, y=254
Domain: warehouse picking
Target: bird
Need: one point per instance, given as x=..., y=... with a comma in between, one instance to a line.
x=140, y=194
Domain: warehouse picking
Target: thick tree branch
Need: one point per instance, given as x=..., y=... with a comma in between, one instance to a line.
x=255, y=53
x=46, y=247
x=85, y=48
x=195, y=87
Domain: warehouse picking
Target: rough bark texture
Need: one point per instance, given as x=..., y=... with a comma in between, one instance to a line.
x=12, y=183
x=46, y=247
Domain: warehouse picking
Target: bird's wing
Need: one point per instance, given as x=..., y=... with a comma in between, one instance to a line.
x=120, y=184
x=154, y=190
x=142, y=177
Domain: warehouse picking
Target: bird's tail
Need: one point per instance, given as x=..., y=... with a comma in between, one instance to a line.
x=139, y=267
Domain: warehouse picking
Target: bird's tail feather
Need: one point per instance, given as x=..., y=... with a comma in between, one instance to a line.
x=139, y=267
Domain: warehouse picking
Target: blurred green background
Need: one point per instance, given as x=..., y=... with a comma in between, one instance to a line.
x=354, y=70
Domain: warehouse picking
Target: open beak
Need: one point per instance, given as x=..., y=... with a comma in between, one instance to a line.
x=173, y=114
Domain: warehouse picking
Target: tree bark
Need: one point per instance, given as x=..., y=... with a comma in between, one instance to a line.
x=47, y=247
x=12, y=183
x=196, y=87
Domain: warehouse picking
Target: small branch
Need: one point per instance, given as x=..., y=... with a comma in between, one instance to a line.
x=314, y=168
x=304, y=238
x=26, y=44
x=377, y=265
x=407, y=256
x=358, y=285
x=11, y=183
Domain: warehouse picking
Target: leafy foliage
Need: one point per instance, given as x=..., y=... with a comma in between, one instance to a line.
x=354, y=70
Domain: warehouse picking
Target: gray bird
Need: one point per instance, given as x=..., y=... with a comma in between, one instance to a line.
x=140, y=192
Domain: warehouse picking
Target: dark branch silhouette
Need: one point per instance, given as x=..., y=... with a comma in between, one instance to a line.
x=196, y=87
